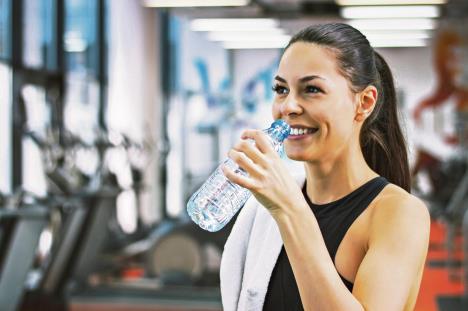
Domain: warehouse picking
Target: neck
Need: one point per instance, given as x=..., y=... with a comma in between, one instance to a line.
x=332, y=179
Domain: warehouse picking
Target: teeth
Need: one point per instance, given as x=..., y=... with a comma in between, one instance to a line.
x=300, y=131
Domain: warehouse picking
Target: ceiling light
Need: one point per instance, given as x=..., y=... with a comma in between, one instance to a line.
x=389, y=2
x=234, y=24
x=415, y=11
x=246, y=36
x=393, y=24
x=398, y=43
x=395, y=35
x=220, y=35
x=273, y=44
x=193, y=3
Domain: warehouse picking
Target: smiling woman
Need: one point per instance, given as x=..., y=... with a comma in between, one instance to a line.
x=349, y=236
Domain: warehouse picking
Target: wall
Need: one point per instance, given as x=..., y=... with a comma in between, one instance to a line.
x=134, y=95
x=197, y=107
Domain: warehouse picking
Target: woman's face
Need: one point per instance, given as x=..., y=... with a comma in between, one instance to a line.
x=315, y=99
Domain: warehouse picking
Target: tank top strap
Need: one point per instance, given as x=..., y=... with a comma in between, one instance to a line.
x=367, y=194
x=336, y=218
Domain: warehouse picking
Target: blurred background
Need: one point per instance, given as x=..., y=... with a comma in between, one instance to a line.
x=112, y=113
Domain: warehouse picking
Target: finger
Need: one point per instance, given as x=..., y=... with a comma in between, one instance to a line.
x=262, y=141
x=249, y=148
x=241, y=180
x=244, y=162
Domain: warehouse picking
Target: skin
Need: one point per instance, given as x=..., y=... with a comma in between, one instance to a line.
x=383, y=253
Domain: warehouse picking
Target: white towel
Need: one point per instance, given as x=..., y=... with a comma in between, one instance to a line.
x=249, y=256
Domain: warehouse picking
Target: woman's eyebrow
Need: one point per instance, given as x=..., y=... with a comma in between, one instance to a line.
x=280, y=79
x=302, y=80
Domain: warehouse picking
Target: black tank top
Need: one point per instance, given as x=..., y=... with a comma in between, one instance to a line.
x=334, y=220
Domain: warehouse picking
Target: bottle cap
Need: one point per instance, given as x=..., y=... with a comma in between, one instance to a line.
x=280, y=129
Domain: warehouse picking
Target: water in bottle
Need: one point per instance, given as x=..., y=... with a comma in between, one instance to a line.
x=218, y=199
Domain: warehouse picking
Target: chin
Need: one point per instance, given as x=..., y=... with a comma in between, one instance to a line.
x=299, y=153
x=298, y=156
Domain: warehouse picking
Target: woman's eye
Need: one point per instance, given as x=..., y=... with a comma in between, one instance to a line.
x=312, y=89
x=280, y=90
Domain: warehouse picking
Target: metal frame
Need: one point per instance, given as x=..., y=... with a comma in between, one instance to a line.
x=16, y=62
x=50, y=80
x=102, y=61
x=166, y=62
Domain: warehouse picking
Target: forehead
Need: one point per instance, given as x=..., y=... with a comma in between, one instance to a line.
x=303, y=58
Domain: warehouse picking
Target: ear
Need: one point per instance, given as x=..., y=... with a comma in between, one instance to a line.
x=367, y=99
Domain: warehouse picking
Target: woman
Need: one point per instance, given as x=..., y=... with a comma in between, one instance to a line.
x=349, y=237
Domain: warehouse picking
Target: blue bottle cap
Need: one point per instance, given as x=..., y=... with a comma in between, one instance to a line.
x=281, y=129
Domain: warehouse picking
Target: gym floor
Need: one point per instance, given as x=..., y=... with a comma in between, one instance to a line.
x=132, y=307
x=126, y=298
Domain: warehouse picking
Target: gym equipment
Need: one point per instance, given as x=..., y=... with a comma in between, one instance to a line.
x=20, y=227
x=84, y=204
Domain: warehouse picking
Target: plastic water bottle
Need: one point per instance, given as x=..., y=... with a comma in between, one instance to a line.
x=218, y=199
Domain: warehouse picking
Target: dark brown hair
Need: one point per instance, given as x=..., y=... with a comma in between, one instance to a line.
x=381, y=139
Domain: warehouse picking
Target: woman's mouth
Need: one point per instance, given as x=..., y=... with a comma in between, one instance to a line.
x=301, y=132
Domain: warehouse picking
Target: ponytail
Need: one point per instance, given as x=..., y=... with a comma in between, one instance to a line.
x=382, y=141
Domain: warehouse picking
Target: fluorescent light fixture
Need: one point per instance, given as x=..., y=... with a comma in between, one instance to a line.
x=227, y=35
x=246, y=36
x=193, y=3
x=234, y=24
x=397, y=35
x=393, y=24
x=242, y=45
x=389, y=2
x=415, y=11
x=398, y=43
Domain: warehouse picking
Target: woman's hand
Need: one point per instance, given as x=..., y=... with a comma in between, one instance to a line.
x=268, y=178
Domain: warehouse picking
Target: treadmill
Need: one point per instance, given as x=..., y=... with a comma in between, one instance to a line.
x=20, y=230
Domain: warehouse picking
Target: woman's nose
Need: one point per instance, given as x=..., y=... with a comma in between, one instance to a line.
x=290, y=107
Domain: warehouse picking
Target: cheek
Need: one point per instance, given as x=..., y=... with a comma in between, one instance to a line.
x=336, y=117
x=275, y=111
x=341, y=123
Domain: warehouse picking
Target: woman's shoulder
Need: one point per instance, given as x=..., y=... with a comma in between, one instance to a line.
x=394, y=195
x=396, y=209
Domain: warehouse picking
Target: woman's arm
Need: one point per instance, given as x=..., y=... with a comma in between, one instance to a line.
x=398, y=244
x=396, y=253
